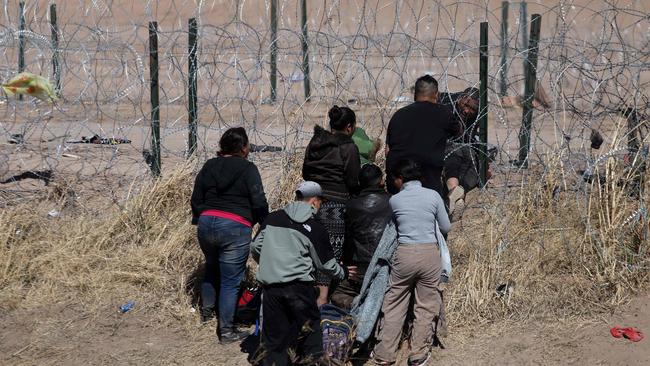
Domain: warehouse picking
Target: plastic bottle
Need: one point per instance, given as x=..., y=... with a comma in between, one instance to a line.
x=126, y=307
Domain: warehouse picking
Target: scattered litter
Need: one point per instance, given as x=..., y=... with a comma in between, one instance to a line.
x=17, y=139
x=192, y=310
x=267, y=101
x=596, y=139
x=265, y=148
x=44, y=175
x=630, y=333
x=95, y=139
x=506, y=289
x=353, y=101
x=30, y=84
x=126, y=307
x=66, y=155
x=54, y=213
x=149, y=344
x=148, y=157
x=297, y=77
x=503, y=244
x=402, y=99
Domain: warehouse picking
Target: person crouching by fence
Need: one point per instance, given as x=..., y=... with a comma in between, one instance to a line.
x=227, y=200
x=332, y=160
x=289, y=244
x=416, y=266
x=366, y=216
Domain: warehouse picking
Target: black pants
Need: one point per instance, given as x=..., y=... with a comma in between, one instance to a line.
x=291, y=321
x=462, y=164
x=431, y=178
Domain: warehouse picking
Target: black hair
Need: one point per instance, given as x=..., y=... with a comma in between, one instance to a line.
x=233, y=141
x=408, y=170
x=426, y=85
x=471, y=92
x=341, y=117
x=370, y=175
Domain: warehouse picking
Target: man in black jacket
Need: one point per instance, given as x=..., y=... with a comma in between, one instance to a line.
x=366, y=217
x=420, y=132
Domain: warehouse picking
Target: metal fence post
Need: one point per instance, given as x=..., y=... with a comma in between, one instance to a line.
x=523, y=32
x=274, y=49
x=192, y=88
x=21, y=42
x=305, y=49
x=529, y=90
x=503, y=66
x=155, y=99
x=56, y=72
x=483, y=107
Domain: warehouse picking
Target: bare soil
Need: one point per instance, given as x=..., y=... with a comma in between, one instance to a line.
x=138, y=338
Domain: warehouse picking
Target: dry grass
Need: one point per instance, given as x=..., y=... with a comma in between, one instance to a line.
x=564, y=252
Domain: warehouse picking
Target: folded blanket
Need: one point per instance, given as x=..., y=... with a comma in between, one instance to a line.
x=366, y=306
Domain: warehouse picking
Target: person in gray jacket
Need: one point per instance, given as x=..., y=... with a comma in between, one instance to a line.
x=290, y=245
x=416, y=266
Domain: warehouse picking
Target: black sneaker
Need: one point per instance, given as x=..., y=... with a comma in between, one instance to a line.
x=232, y=336
x=207, y=314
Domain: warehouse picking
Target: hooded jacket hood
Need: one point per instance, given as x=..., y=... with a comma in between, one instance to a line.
x=324, y=141
x=300, y=212
x=229, y=170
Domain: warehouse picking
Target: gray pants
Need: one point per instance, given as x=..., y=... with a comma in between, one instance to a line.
x=415, y=271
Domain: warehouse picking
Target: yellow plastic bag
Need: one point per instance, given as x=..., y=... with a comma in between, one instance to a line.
x=27, y=83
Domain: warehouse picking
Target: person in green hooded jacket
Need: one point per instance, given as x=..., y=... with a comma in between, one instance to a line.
x=367, y=147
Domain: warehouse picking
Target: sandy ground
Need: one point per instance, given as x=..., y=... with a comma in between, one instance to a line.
x=136, y=338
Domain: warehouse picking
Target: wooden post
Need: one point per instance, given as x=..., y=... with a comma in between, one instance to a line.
x=192, y=88
x=305, y=49
x=529, y=90
x=523, y=32
x=274, y=49
x=503, y=66
x=155, y=100
x=21, y=42
x=483, y=105
x=56, y=72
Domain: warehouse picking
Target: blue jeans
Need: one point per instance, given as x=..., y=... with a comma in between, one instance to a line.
x=225, y=245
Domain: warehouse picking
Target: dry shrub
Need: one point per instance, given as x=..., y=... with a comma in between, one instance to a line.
x=144, y=252
x=554, y=247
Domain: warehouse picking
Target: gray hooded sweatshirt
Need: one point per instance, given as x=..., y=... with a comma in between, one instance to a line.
x=291, y=244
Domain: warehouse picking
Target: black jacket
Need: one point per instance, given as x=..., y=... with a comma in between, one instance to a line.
x=231, y=184
x=366, y=217
x=332, y=160
x=420, y=131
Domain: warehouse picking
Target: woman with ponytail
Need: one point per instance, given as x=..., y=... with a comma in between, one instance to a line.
x=332, y=160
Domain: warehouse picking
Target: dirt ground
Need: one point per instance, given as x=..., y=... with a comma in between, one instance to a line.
x=137, y=338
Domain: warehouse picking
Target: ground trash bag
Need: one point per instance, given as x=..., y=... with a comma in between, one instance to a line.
x=27, y=83
x=338, y=333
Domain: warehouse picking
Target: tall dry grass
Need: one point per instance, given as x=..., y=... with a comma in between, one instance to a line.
x=556, y=250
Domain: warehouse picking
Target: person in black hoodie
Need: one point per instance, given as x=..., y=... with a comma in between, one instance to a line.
x=366, y=217
x=228, y=199
x=332, y=160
